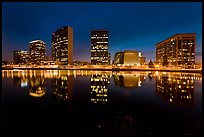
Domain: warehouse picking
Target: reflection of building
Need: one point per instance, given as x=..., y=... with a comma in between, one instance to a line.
x=37, y=86
x=20, y=81
x=37, y=52
x=128, y=81
x=62, y=45
x=178, y=50
x=99, y=47
x=99, y=88
x=20, y=57
x=178, y=91
x=62, y=88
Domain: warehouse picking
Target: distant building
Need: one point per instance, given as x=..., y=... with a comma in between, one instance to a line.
x=177, y=51
x=78, y=63
x=37, y=52
x=5, y=62
x=151, y=64
x=128, y=57
x=119, y=58
x=20, y=57
x=131, y=57
x=62, y=45
x=99, y=47
x=142, y=59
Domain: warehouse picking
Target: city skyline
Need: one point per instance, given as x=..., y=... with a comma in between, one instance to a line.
x=132, y=26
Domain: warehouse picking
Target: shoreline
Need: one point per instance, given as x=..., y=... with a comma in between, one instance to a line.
x=118, y=69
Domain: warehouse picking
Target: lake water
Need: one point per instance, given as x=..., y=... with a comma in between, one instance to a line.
x=75, y=102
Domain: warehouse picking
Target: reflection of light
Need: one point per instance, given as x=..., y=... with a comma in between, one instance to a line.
x=38, y=93
x=55, y=72
x=170, y=100
x=74, y=73
x=140, y=83
x=156, y=73
x=164, y=73
x=24, y=84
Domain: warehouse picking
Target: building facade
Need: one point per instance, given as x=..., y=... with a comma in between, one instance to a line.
x=119, y=58
x=142, y=59
x=62, y=45
x=20, y=57
x=177, y=51
x=99, y=47
x=131, y=57
x=128, y=57
x=37, y=52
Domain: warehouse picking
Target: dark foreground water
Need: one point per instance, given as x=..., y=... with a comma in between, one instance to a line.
x=65, y=102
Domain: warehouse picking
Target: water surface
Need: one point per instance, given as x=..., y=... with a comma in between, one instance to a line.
x=74, y=102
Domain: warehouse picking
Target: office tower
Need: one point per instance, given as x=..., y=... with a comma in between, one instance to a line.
x=20, y=57
x=99, y=47
x=62, y=45
x=37, y=52
x=177, y=51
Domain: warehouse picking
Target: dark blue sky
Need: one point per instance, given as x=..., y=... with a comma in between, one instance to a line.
x=132, y=25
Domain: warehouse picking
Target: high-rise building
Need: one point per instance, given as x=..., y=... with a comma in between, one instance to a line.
x=37, y=52
x=62, y=45
x=20, y=57
x=99, y=47
x=177, y=51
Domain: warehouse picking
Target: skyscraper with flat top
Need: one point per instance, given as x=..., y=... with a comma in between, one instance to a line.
x=99, y=47
x=37, y=52
x=177, y=51
x=62, y=45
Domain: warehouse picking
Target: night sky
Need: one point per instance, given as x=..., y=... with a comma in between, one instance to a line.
x=131, y=25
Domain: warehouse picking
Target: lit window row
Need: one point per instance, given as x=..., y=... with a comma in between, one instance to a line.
x=102, y=42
